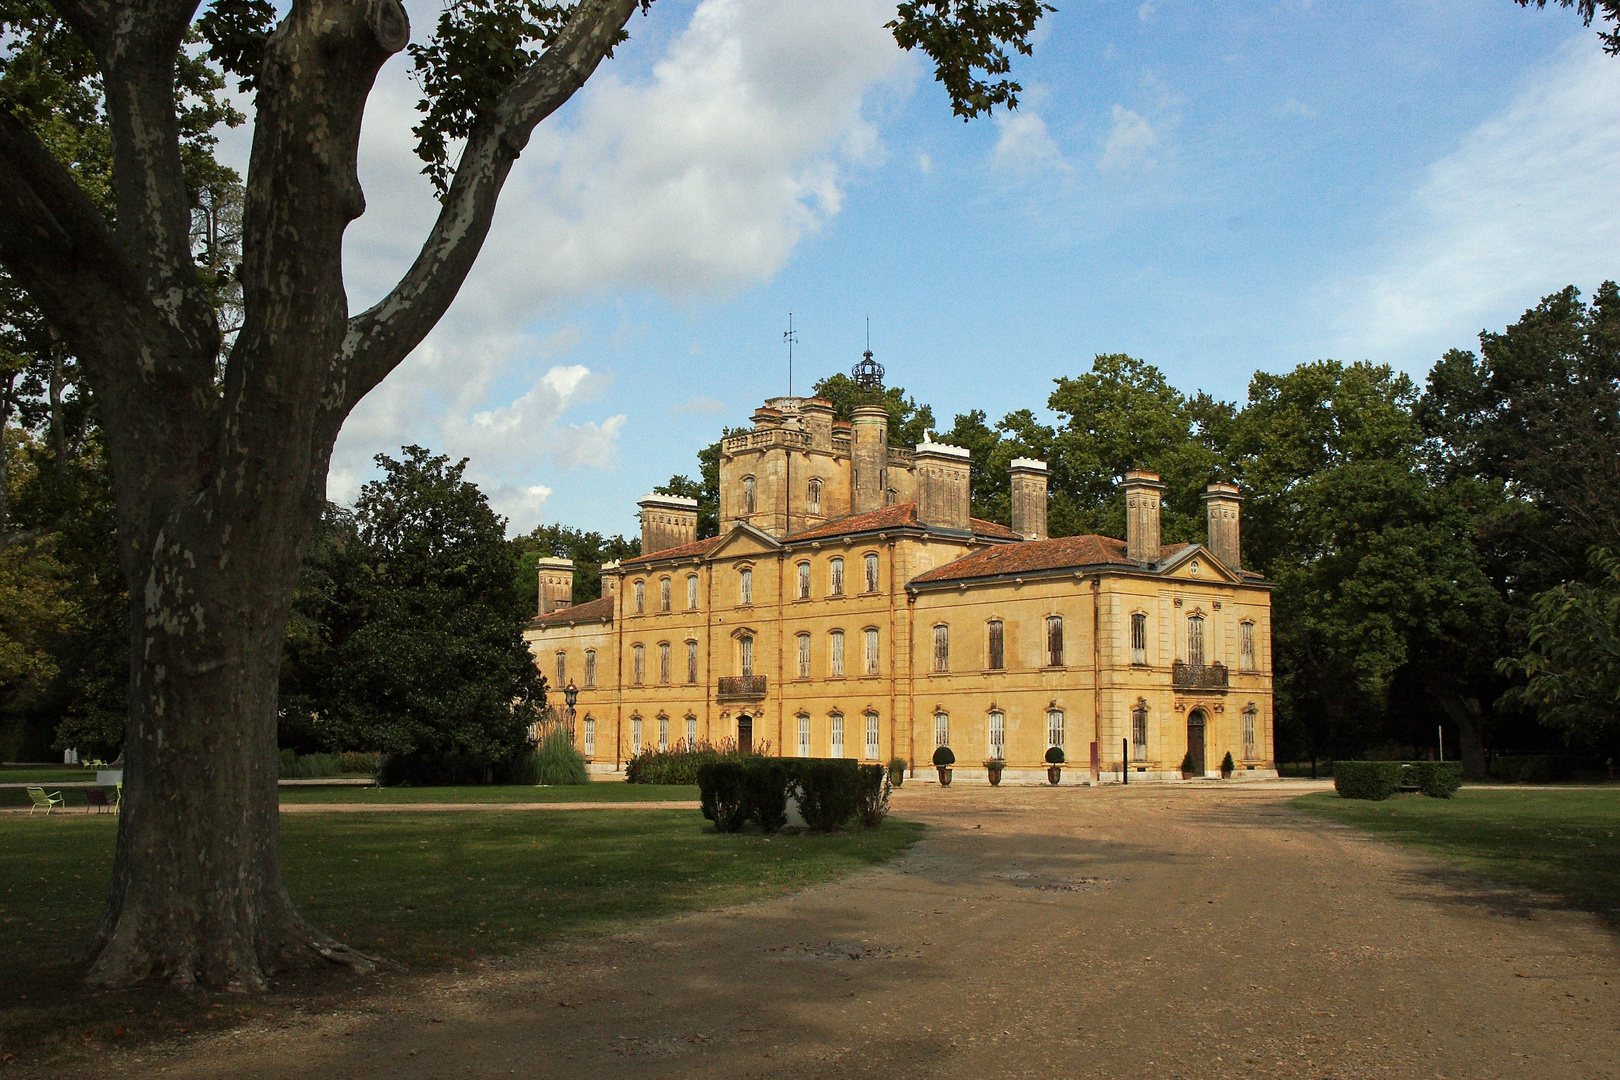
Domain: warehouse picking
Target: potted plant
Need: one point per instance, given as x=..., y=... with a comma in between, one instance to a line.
x=1186, y=766
x=943, y=760
x=1054, y=765
x=1227, y=766
x=897, y=772
x=994, y=766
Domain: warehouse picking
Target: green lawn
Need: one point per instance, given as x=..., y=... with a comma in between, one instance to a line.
x=1564, y=843
x=426, y=889
x=58, y=774
x=490, y=793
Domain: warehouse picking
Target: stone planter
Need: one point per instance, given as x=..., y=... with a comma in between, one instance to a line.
x=994, y=769
x=944, y=775
x=1054, y=773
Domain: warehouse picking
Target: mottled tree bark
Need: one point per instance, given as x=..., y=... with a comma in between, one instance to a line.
x=1470, y=721
x=219, y=483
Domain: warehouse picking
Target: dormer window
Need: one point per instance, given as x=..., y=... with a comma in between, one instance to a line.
x=748, y=495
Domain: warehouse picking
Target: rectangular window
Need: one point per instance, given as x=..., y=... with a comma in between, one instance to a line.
x=691, y=733
x=641, y=597
x=998, y=736
x=663, y=662
x=590, y=667
x=1195, y=641
x=871, y=736
x=872, y=651
x=638, y=662
x=942, y=648
x=804, y=656
x=835, y=655
x=996, y=655
x=747, y=657
x=691, y=661
x=1138, y=638
x=691, y=592
x=745, y=588
x=590, y=737
x=1246, y=646
x=1054, y=641
x=836, y=749
x=814, y=497
x=1139, y=733
x=942, y=729
x=663, y=733
x=804, y=581
x=663, y=594
x=635, y=736
x=1249, y=717
x=835, y=586
x=804, y=736
x=871, y=573
x=1054, y=727
x=562, y=669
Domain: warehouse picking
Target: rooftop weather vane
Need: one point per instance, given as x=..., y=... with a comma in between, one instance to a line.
x=790, y=337
x=868, y=374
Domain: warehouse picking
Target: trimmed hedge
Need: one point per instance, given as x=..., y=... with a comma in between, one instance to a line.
x=830, y=791
x=765, y=789
x=720, y=791
x=1439, y=779
x=1378, y=780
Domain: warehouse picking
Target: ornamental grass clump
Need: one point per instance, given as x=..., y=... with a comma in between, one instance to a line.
x=556, y=761
x=897, y=771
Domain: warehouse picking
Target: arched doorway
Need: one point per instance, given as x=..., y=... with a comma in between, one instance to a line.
x=1195, y=740
x=745, y=734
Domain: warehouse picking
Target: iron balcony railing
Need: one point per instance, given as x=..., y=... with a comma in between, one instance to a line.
x=1183, y=674
x=741, y=687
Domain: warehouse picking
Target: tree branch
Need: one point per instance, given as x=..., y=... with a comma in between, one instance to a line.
x=379, y=338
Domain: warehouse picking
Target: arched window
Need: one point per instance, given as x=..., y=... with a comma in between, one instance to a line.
x=641, y=597
x=590, y=736
x=1138, y=638
x=942, y=729
x=691, y=592
x=942, y=648
x=835, y=747
x=804, y=656
x=996, y=653
x=745, y=586
x=635, y=735
x=835, y=654
x=590, y=667
x=804, y=581
x=638, y=662
x=871, y=650
x=872, y=572
x=1251, y=717
x=663, y=733
x=562, y=668
x=691, y=661
x=746, y=650
x=997, y=742
x=663, y=663
x=1195, y=641
x=1139, y=731
x=1054, y=727
x=663, y=594
x=872, y=748
x=1054, y=641
x=691, y=732
x=804, y=735
x=1246, y=646
x=835, y=578
x=748, y=495
x=813, y=497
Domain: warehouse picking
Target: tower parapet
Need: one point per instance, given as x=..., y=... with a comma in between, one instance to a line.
x=667, y=521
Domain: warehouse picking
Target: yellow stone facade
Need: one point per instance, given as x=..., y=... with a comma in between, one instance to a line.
x=851, y=607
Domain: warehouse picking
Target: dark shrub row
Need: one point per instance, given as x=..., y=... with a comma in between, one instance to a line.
x=433, y=769
x=1535, y=768
x=1378, y=780
x=829, y=791
x=677, y=765
x=296, y=766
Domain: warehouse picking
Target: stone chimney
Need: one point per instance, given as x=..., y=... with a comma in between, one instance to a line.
x=818, y=422
x=1142, y=490
x=667, y=521
x=610, y=578
x=869, y=458
x=1221, y=503
x=1029, y=498
x=556, y=584
x=942, y=486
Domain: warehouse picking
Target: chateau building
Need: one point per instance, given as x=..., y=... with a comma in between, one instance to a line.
x=851, y=607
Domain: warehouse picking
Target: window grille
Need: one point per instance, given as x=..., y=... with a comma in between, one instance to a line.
x=1138, y=638
x=836, y=748
x=590, y=737
x=663, y=733
x=1246, y=646
x=804, y=581
x=1139, y=734
x=562, y=669
x=804, y=656
x=590, y=667
x=1195, y=641
x=998, y=736
x=747, y=657
x=635, y=735
x=871, y=736
x=1250, y=715
x=871, y=573
x=836, y=584
x=691, y=592
x=748, y=495
x=638, y=662
x=691, y=661
x=745, y=587
x=814, y=499
x=1054, y=727
x=942, y=729
x=835, y=654
x=641, y=597
x=1054, y=641
x=804, y=736
x=942, y=648
x=872, y=651
x=691, y=733
x=996, y=656
x=663, y=662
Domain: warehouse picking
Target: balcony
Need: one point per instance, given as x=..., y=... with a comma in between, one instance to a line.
x=1205, y=677
x=741, y=688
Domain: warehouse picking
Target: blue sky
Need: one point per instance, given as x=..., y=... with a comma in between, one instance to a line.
x=1212, y=188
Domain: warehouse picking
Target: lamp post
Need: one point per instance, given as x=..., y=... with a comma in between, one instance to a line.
x=570, y=695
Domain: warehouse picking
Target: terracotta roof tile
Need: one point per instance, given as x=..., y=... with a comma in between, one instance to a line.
x=683, y=551
x=901, y=515
x=589, y=611
x=991, y=529
x=1032, y=555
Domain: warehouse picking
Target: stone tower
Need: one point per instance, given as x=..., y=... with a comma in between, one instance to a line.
x=869, y=454
x=1221, y=503
x=1142, y=495
x=556, y=584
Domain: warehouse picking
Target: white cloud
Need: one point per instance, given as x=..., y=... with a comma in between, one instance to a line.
x=1025, y=147
x=699, y=405
x=1131, y=143
x=1520, y=209
x=925, y=164
x=1295, y=107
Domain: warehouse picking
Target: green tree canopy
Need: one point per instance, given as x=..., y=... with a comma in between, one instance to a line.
x=589, y=550
x=909, y=422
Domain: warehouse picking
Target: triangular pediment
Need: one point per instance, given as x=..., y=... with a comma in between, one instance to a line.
x=1195, y=563
x=743, y=541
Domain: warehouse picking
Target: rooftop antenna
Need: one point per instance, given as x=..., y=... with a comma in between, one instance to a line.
x=790, y=337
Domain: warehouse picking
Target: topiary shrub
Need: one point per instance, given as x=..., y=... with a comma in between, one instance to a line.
x=1439, y=779
x=1375, y=780
x=720, y=792
x=829, y=791
x=1054, y=755
x=1227, y=764
x=944, y=757
x=897, y=771
x=764, y=790
x=874, y=804
x=1186, y=762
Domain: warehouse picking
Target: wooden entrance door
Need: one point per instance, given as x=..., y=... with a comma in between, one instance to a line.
x=745, y=734
x=1195, y=741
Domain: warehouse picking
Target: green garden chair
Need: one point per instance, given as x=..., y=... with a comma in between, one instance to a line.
x=43, y=801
